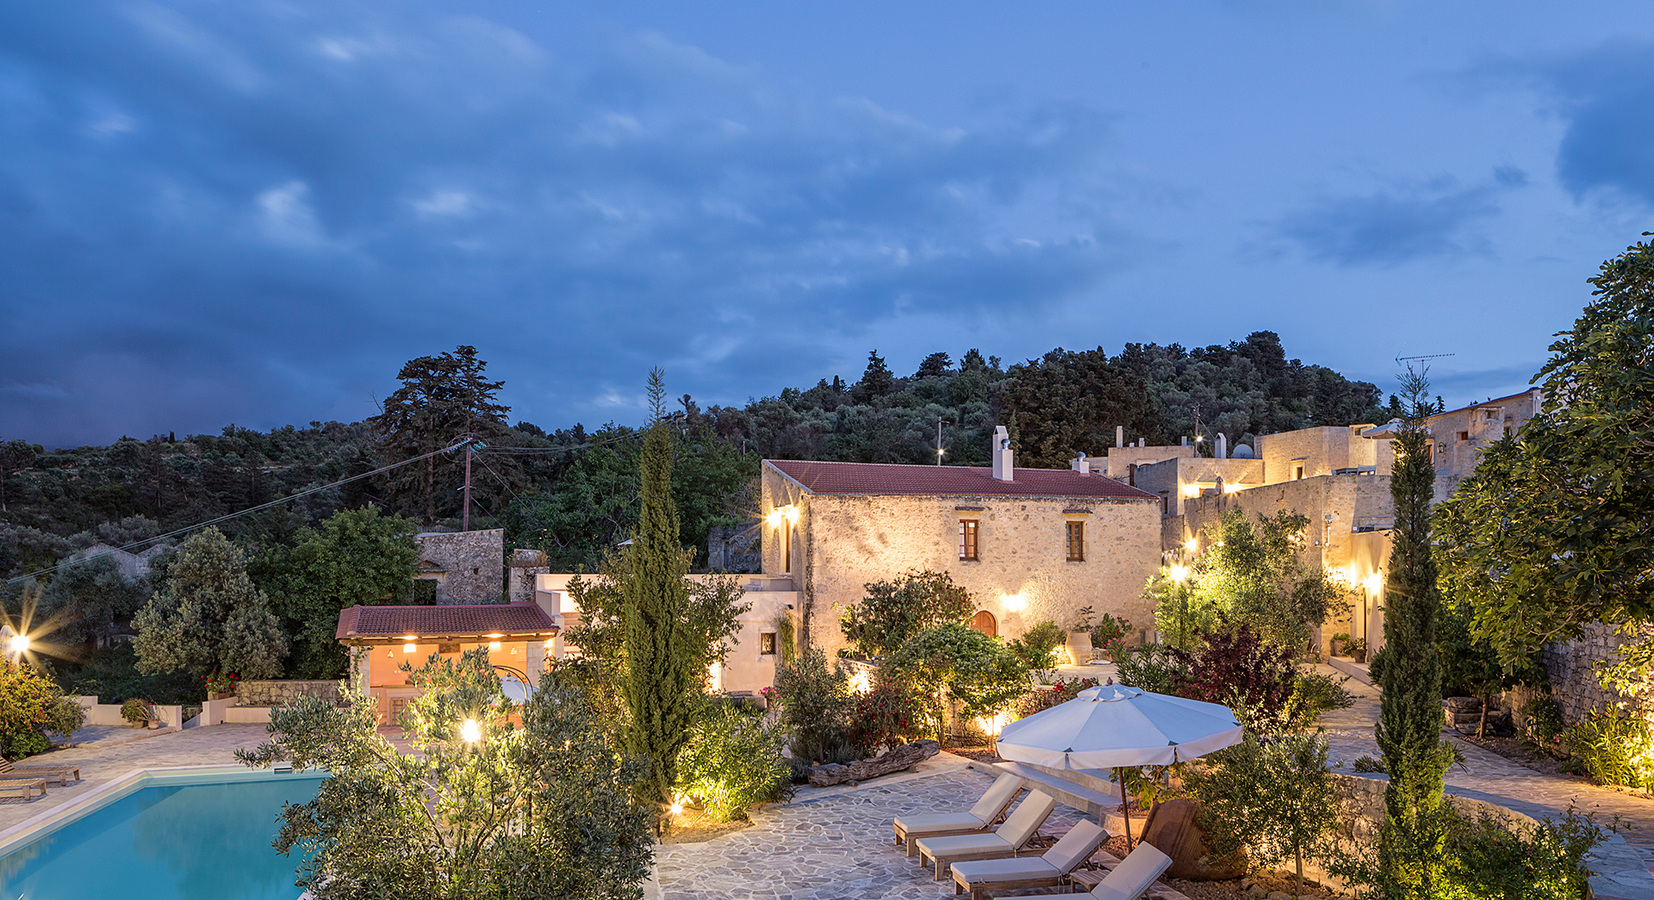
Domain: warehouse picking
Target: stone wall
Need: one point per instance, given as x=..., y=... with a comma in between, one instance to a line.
x=1572, y=669
x=1023, y=576
x=733, y=548
x=520, y=574
x=470, y=565
x=276, y=693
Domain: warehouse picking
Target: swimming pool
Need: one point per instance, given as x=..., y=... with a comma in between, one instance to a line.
x=198, y=837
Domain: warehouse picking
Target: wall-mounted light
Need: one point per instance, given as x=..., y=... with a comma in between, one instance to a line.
x=1191, y=490
x=1191, y=545
x=792, y=514
x=775, y=518
x=1013, y=602
x=409, y=648
x=1374, y=583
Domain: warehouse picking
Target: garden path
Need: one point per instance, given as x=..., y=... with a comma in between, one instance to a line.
x=1623, y=863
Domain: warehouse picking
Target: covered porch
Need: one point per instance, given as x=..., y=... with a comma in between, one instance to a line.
x=518, y=638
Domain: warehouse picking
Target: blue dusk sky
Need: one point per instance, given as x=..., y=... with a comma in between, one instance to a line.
x=255, y=212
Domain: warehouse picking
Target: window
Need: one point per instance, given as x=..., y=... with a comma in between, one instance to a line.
x=1298, y=473
x=1076, y=542
x=1464, y=435
x=967, y=539
x=766, y=644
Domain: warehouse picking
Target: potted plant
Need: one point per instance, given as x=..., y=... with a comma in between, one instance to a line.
x=1108, y=634
x=221, y=685
x=141, y=713
x=1358, y=650
x=1339, y=642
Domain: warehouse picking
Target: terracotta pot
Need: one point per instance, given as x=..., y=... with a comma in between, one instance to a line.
x=220, y=695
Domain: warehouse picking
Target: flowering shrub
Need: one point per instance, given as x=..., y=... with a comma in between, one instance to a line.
x=957, y=665
x=887, y=716
x=1107, y=632
x=1047, y=697
x=29, y=707
x=222, y=682
x=1615, y=748
x=892, y=612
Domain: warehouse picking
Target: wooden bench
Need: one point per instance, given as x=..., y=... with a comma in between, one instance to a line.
x=22, y=789
x=60, y=774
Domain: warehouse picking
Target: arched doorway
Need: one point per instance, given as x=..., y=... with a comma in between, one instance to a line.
x=985, y=622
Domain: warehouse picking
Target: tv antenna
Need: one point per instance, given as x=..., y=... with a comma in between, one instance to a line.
x=1409, y=359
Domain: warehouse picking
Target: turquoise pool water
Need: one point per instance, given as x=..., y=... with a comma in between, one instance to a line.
x=166, y=842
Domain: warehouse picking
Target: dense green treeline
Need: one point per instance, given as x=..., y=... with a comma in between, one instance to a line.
x=573, y=492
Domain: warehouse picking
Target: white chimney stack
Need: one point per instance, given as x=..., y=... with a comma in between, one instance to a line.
x=1004, y=469
x=1119, y=435
x=1223, y=446
x=1080, y=464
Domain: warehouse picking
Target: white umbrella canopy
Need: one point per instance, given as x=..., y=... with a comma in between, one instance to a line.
x=1113, y=726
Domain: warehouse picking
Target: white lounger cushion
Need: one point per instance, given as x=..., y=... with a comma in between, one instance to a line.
x=1024, y=821
x=1079, y=843
x=993, y=802
x=1129, y=880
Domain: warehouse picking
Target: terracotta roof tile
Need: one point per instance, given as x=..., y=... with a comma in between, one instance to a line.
x=951, y=481
x=480, y=620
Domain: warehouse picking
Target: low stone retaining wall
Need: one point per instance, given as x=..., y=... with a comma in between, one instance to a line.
x=276, y=693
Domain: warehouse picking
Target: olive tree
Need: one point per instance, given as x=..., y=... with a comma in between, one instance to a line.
x=478, y=809
x=208, y=616
x=955, y=665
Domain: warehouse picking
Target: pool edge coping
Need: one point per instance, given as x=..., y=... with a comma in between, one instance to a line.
x=21, y=834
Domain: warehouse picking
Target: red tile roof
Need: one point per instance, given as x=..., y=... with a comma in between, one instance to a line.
x=479, y=620
x=951, y=481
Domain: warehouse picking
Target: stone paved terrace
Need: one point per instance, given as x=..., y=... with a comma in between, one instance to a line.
x=828, y=844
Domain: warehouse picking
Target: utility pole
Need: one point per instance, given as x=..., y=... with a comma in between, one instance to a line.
x=939, y=450
x=465, y=511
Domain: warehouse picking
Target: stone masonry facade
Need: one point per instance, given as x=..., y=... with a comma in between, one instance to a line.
x=276, y=693
x=468, y=566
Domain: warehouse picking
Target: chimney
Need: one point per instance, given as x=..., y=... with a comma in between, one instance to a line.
x=1003, y=467
x=1222, y=446
x=1080, y=464
x=1119, y=435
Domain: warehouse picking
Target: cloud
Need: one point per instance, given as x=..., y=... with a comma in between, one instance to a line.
x=1398, y=224
x=1603, y=97
x=413, y=182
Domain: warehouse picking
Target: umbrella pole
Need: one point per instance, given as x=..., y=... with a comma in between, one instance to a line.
x=1125, y=804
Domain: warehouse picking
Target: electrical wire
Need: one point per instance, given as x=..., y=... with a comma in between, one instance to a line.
x=249, y=510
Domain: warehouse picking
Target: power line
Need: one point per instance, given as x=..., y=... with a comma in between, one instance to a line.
x=251, y=509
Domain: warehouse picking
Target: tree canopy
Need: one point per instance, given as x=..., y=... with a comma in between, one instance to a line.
x=208, y=617
x=1551, y=532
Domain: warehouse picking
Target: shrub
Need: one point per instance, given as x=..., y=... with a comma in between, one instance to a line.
x=137, y=711
x=1615, y=748
x=1038, y=645
x=1487, y=858
x=733, y=760
x=1368, y=765
x=1541, y=721
x=1156, y=668
x=27, y=709
x=955, y=664
x=65, y=716
x=887, y=716
x=815, y=701
x=1275, y=800
x=893, y=612
x=1047, y=697
x=1107, y=632
x=1315, y=694
x=1250, y=675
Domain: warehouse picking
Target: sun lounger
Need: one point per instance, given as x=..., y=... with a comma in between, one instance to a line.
x=1003, y=841
x=1129, y=880
x=60, y=774
x=22, y=788
x=981, y=817
x=1048, y=870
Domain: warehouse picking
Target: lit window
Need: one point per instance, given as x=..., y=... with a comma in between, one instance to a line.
x=1076, y=542
x=766, y=644
x=967, y=539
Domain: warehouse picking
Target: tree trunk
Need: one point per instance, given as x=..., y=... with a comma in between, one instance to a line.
x=905, y=757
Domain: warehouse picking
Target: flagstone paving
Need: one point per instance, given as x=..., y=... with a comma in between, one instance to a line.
x=1624, y=863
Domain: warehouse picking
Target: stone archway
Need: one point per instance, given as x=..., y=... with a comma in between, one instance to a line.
x=985, y=622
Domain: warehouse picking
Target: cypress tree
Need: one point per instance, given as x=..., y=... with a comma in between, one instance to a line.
x=660, y=681
x=1410, y=674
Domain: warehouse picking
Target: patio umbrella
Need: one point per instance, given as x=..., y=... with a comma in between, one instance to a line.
x=1114, y=726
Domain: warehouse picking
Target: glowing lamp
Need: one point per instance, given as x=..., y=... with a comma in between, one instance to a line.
x=774, y=518
x=1014, y=602
x=493, y=645
x=470, y=731
x=18, y=644
x=1191, y=545
x=1191, y=490
x=1374, y=583
x=409, y=648
x=1179, y=573
x=792, y=514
